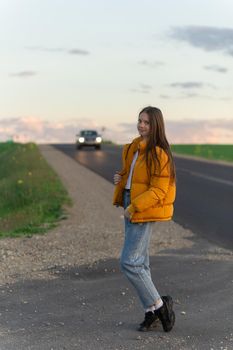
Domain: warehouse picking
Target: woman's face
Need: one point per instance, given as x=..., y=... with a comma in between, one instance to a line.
x=143, y=125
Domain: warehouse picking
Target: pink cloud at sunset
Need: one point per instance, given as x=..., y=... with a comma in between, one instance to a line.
x=201, y=131
x=26, y=129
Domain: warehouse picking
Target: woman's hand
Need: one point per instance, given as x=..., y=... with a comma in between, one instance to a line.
x=127, y=214
x=117, y=178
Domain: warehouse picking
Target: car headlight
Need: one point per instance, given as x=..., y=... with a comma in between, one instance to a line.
x=98, y=139
x=81, y=139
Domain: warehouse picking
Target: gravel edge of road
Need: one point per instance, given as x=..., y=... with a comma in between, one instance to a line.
x=93, y=230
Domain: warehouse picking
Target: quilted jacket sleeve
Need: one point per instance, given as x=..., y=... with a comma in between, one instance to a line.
x=117, y=196
x=159, y=184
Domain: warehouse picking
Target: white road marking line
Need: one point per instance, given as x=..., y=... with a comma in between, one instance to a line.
x=211, y=178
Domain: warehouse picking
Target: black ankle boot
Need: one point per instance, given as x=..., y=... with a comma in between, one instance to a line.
x=151, y=320
x=166, y=314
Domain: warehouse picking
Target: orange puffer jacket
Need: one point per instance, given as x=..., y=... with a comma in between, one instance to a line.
x=152, y=195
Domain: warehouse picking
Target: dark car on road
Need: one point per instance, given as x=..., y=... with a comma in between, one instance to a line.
x=88, y=138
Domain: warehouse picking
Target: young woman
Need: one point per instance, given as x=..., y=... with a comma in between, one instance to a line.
x=146, y=189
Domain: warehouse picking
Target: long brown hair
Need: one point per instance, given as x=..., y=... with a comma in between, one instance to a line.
x=157, y=137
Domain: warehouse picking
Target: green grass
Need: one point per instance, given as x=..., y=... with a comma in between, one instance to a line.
x=214, y=152
x=32, y=196
x=108, y=142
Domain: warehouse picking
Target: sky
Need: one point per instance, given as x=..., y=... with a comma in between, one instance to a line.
x=71, y=64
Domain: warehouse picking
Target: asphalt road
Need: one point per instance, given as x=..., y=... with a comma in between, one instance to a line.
x=86, y=309
x=204, y=200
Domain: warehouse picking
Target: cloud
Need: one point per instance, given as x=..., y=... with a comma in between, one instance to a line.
x=78, y=52
x=188, y=131
x=188, y=85
x=189, y=89
x=27, y=129
x=192, y=95
x=75, y=51
x=154, y=64
x=200, y=131
x=166, y=97
x=206, y=38
x=23, y=74
x=191, y=85
x=189, y=94
x=146, y=86
x=124, y=132
x=143, y=88
x=216, y=68
x=184, y=95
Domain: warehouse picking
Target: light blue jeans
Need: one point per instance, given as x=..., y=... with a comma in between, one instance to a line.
x=134, y=259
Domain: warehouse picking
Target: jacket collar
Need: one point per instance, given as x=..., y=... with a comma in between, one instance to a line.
x=138, y=144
